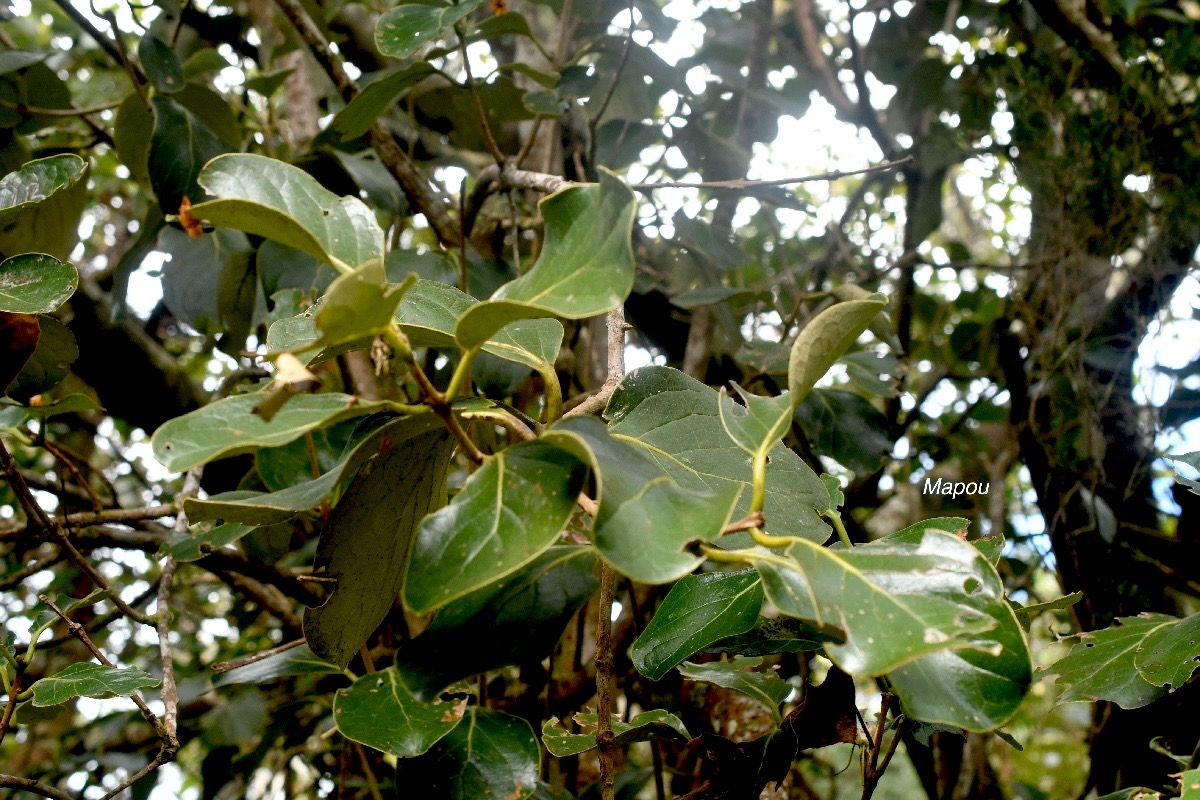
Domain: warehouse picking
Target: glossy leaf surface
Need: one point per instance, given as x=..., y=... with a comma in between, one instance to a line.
x=405, y=29
x=488, y=755
x=1099, y=666
x=379, y=711
x=741, y=675
x=654, y=724
x=40, y=206
x=34, y=283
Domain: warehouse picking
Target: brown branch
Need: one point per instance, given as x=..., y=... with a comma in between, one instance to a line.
x=489, y=139
x=745, y=184
x=170, y=693
x=244, y=661
x=616, y=367
x=83, y=518
x=33, y=787
x=10, y=707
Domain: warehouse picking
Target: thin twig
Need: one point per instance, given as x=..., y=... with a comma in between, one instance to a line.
x=11, y=706
x=85, y=518
x=489, y=139
x=36, y=111
x=743, y=184
x=226, y=666
x=616, y=367
x=612, y=89
x=33, y=787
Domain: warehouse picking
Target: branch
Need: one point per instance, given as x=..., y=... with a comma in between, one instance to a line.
x=743, y=185
x=82, y=518
x=616, y=367
x=33, y=787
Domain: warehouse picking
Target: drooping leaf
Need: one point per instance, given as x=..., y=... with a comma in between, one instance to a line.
x=741, y=675
x=699, y=610
x=654, y=724
x=893, y=601
x=366, y=544
x=269, y=508
x=87, y=679
x=358, y=305
x=179, y=148
x=379, y=711
x=672, y=418
x=510, y=510
x=229, y=426
x=978, y=687
x=132, y=134
x=518, y=618
x=645, y=519
x=772, y=635
x=489, y=755
x=1170, y=655
x=376, y=97
x=283, y=203
x=405, y=29
x=34, y=283
x=77, y=403
x=825, y=339
x=585, y=267
x=50, y=362
x=40, y=206
x=161, y=64
x=293, y=661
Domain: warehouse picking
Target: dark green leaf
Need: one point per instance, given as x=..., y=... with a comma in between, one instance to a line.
x=645, y=520
x=228, y=427
x=161, y=64
x=268, y=83
x=655, y=724
x=366, y=544
x=845, y=427
x=1027, y=613
x=770, y=636
x=179, y=148
x=87, y=679
x=379, y=711
x=40, y=206
x=489, y=755
x=192, y=277
x=741, y=675
x=699, y=610
x=1101, y=665
x=585, y=267
x=35, y=283
x=672, y=418
x=1170, y=655
x=50, y=363
x=375, y=98
x=132, y=135
x=193, y=544
x=510, y=510
x=404, y=30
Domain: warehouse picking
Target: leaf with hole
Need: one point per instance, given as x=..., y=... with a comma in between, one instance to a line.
x=87, y=679
x=585, y=267
x=489, y=755
x=698, y=611
x=673, y=419
x=654, y=724
x=742, y=675
x=1168, y=656
x=378, y=710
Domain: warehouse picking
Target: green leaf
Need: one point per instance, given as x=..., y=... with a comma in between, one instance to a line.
x=161, y=64
x=1101, y=665
x=645, y=520
x=699, y=610
x=378, y=710
x=404, y=30
x=268, y=83
x=192, y=544
x=1170, y=655
x=846, y=428
x=510, y=510
x=71, y=404
x=366, y=544
x=179, y=148
x=655, y=724
x=585, y=267
x=1189, y=784
x=740, y=675
x=133, y=132
x=759, y=424
x=87, y=679
x=825, y=339
x=516, y=619
x=770, y=636
x=293, y=661
x=34, y=283
x=1026, y=614
x=359, y=304
x=191, y=279
x=283, y=203
x=13, y=60
x=978, y=687
x=490, y=755
x=886, y=598
x=255, y=508
x=673, y=418
x=40, y=206
x=50, y=362
x=376, y=97
x=228, y=427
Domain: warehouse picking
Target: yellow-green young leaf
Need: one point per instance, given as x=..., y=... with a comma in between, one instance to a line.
x=978, y=687
x=510, y=510
x=1170, y=655
x=405, y=29
x=1189, y=785
x=655, y=724
x=742, y=675
x=283, y=203
x=825, y=339
x=759, y=424
x=699, y=610
x=87, y=679
x=366, y=544
x=35, y=283
x=269, y=508
x=585, y=267
x=293, y=661
x=489, y=755
x=518, y=618
x=672, y=418
x=379, y=711
x=40, y=206
x=645, y=520
x=359, y=304
x=228, y=427
x=893, y=602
